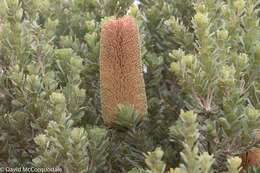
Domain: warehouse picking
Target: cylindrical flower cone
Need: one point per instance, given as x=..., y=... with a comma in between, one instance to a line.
x=121, y=75
x=252, y=158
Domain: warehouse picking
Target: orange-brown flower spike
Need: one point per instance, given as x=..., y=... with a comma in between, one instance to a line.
x=121, y=75
x=251, y=158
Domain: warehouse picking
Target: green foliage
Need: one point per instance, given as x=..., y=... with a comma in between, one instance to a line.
x=193, y=161
x=234, y=164
x=217, y=77
x=97, y=149
x=153, y=161
x=201, y=61
x=127, y=116
x=136, y=170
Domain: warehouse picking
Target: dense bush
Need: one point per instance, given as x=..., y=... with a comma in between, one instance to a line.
x=201, y=63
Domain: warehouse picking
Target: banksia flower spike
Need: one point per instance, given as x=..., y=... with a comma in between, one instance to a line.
x=121, y=77
x=252, y=158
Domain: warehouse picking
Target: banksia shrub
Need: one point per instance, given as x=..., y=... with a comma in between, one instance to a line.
x=121, y=75
x=202, y=82
x=218, y=76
